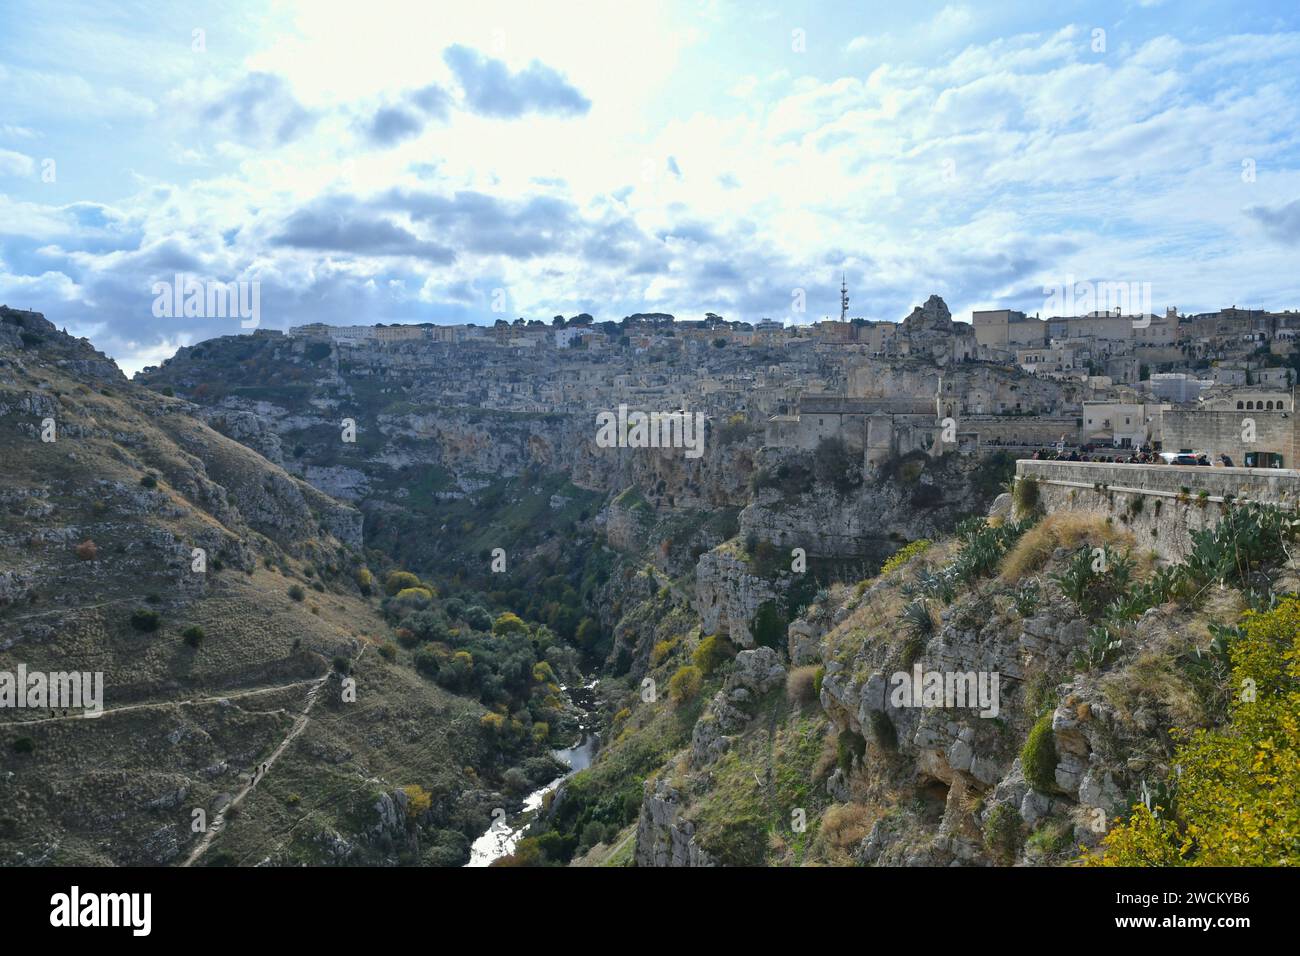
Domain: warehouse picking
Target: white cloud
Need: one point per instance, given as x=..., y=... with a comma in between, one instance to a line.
x=15, y=164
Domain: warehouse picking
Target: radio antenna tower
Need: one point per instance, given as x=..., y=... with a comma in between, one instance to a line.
x=844, y=299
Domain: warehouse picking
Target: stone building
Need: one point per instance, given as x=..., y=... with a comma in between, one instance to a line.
x=1256, y=428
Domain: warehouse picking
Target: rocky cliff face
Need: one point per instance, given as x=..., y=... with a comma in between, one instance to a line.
x=661, y=838
x=728, y=595
x=1039, y=733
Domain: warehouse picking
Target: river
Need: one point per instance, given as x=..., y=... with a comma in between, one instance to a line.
x=501, y=838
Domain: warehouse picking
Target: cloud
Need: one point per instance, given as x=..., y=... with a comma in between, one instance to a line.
x=339, y=225
x=1281, y=224
x=492, y=90
x=15, y=164
x=488, y=225
x=394, y=123
x=259, y=110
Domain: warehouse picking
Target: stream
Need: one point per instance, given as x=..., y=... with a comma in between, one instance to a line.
x=501, y=838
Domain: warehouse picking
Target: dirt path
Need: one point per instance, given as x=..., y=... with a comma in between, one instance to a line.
x=217, y=823
x=148, y=705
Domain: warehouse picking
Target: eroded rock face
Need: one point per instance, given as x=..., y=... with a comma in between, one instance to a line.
x=803, y=640
x=728, y=595
x=753, y=674
x=662, y=838
x=254, y=430
x=756, y=671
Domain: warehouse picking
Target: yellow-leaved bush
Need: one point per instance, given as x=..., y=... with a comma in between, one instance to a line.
x=1237, y=798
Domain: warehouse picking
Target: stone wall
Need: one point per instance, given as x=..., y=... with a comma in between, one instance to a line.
x=1160, y=504
x=1020, y=430
x=1222, y=432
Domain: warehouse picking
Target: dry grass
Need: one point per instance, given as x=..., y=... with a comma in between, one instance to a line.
x=1154, y=680
x=800, y=685
x=843, y=827
x=1064, y=529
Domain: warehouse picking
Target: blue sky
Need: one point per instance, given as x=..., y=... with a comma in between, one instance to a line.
x=419, y=162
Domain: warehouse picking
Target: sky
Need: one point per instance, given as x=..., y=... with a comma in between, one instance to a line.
x=465, y=162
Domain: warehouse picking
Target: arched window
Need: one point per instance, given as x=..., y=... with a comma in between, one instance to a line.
x=1240, y=406
x=1250, y=406
x=1269, y=408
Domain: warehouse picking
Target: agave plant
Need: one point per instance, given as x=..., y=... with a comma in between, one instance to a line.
x=939, y=584
x=917, y=619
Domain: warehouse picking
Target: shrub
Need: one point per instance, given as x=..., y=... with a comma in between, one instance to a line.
x=1038, y=757
x=904, y=554
x=388, y=650
x=1025, y=497
x=1237, y=799
x=149, y=481
x=418, y=800
x=541, y=730
x=428, y=661
x=145, y=620
x=418, y=597
x=193, y=635
x=296, y=592
x=509, y=623
x=711, y=652
x=801, y=685
x=1052, y=837
x=984, y=544
x=342, y=665
x=595, y=832
x=397, y=580
x=24, y=745
x=86, y=551
x=685, y=684
x=817, y=680
x=543, y=673
x=365, y=581
x=659, y=653
x=1102, y=648
x=478, y=618
x=1002, y=835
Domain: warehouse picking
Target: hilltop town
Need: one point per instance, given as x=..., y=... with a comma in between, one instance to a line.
x=1092, y=383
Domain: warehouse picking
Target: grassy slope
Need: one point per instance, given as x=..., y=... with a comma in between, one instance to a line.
x=82, y=795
